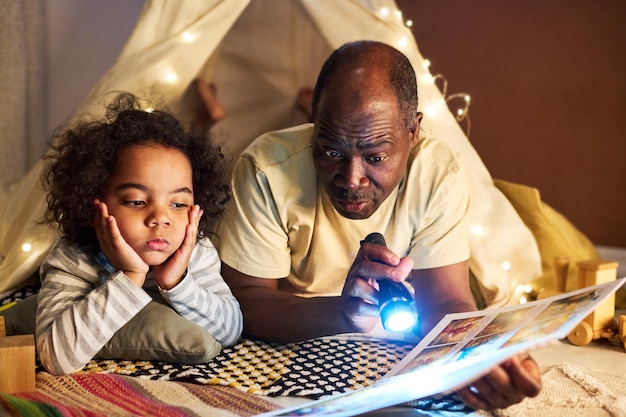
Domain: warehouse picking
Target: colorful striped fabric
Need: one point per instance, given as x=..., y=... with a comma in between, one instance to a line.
x=109, y=395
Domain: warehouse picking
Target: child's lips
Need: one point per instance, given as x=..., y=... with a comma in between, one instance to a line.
x=158, y=244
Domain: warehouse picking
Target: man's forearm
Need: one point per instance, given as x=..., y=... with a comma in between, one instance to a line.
x=276, y=316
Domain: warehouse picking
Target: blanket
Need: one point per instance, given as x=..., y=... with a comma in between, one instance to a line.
x=116, y=395
x=573, y=390
x=230, y=384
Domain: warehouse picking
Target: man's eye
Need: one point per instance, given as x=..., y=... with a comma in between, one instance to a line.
x=331, y=153
x=377, y=158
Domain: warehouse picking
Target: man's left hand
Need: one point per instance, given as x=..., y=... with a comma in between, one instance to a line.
x=507, y=384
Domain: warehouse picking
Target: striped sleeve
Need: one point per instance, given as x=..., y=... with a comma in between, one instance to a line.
x=77, y=313
x=205, y=299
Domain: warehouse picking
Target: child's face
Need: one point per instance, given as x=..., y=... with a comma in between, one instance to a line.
x=150, y=195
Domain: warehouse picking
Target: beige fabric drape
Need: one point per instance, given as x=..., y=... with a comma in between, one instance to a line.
x=22, y=87
x=259, y=53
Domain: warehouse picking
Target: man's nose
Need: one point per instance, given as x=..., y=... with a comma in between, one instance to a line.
x=353, y=175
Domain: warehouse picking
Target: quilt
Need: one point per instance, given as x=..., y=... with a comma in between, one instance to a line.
x=233, y=383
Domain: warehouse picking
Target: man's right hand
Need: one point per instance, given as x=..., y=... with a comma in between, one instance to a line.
x=359, y=294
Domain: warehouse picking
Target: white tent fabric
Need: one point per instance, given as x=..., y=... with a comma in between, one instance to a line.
x=259, y=53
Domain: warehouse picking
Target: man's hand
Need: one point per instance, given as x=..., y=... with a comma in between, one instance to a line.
x=507, y=384
x=359, y=294
x=121, y=255
x=171, y=272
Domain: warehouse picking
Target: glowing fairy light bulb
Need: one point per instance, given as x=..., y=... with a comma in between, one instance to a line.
x=460, y=112
x=409, y=23
x=171, y=77
x=402, y=42
x=26, y=247
x=477, y=230
x=149, y=110
x=428, y=78
x=384, y=12
x=506, y=265
x=188, y=37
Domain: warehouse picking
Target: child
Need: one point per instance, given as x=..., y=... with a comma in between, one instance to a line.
x=127, y=194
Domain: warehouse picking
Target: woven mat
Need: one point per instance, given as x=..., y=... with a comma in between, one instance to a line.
x=571, y=390
x=311, y=369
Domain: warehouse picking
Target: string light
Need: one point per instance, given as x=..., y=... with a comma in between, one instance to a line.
x=459, y=105
x=26, y=247
x=462, y=113
x=477, y=230
x=171, y=77
x=524, y=293
x=188, y=37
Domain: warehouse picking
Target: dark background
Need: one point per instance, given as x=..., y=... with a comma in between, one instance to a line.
x=548, y=96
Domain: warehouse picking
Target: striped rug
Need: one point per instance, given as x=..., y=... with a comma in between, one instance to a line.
x=110, y=395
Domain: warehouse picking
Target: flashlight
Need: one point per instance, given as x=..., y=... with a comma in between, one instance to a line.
x=397, y=309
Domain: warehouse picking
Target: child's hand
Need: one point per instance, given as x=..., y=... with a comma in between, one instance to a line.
x=171, y=272
x=121, y=255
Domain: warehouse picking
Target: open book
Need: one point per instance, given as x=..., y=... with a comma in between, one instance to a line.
x=462, y=347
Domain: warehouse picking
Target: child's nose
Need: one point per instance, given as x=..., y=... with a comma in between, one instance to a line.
x=158, y=217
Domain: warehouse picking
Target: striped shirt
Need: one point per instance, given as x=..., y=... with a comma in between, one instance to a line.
x=82, y=303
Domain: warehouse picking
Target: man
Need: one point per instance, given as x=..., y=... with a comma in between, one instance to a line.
x=304, y=198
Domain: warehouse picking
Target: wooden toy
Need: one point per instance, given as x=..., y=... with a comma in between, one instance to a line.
x=17, y=362
x=600, y=323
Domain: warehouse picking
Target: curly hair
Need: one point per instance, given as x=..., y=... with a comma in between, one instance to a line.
x=84, y=156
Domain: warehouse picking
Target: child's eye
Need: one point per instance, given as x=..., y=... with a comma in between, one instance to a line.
x=179, y=205
x=134, y=203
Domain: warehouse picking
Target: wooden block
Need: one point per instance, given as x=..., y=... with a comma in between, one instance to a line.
x=596, y=272
x=17, y=362
x=561, y=268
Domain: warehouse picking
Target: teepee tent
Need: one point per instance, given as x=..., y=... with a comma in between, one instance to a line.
x=259, y=54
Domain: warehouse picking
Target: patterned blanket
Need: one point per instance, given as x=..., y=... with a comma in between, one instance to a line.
x=313, y=369
x=231, y=383
x=115, y=395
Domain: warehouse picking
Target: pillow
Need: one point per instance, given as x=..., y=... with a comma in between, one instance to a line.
x=157, y=333
x=555, y=235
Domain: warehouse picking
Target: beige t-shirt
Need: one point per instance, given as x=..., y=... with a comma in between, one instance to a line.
x=281, y=224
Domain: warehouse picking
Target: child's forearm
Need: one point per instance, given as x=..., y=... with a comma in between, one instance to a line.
x=74, y=321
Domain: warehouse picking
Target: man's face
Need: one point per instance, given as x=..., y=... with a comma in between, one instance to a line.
x=360, y=148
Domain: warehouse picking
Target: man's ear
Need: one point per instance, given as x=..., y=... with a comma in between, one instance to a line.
x=415, y=129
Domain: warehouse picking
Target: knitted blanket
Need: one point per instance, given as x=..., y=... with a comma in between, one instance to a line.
x=115, y=395
x=571, y=390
